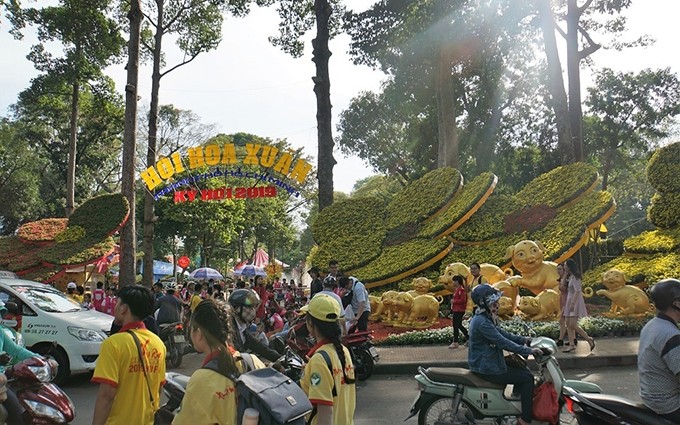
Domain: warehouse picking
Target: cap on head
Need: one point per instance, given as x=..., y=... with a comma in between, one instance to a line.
x=71, y=285
x=323, y=307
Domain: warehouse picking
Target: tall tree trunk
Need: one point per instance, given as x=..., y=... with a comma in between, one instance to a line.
x=556, y=83
x=606, y=167
x=574, y=75
x=448, y=146
x=128, y=243
x=72, y=140
x=149, y=214
x=322, y=89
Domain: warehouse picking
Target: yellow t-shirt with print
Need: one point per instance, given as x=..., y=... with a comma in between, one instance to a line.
x=195, y=301
x=317, y=383
x=210, y=398
x=118, y=365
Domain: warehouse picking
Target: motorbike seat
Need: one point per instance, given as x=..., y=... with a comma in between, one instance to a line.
x=458, y=375
x=627, y=408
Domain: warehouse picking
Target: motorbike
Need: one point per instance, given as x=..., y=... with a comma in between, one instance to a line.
x=44, y=402
x=176, y=383
x=172, y=335
x=450, y=396
x=604, y=409
x=361, y=349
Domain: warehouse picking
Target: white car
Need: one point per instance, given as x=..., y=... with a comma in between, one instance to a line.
x=53, y=324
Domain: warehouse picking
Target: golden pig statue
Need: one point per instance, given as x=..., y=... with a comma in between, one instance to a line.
x=545, y=305
x=491, y=273
x=509, y=291
x=536, y=275
x=506, y=308
x=420, y=311
x=421, y=286
x=384, y=310
x=627, y=300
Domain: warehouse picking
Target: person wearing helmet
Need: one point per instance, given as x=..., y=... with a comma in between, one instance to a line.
x=486, y=345
x=71, y=289
x=17, y=354
x=659, y=352
x=244, y=304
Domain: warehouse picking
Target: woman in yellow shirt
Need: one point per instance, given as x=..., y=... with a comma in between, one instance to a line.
x=210, y=396
x=330, y=389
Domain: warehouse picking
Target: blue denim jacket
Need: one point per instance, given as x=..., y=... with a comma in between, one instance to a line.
x=486, y=345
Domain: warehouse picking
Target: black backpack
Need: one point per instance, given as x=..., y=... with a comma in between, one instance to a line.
x=277, y=397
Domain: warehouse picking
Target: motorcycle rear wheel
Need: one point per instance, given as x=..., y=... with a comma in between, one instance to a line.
x=174, y=356
x=439, y=410
x=363, y=364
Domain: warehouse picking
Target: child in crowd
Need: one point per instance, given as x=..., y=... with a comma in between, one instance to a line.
x=258, y=332
x=110, y=301
x=275, y=321
x=87, y=301
x=289, y=296
x=98, y=296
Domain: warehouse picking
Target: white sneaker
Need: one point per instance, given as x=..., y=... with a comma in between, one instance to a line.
x=453, y=345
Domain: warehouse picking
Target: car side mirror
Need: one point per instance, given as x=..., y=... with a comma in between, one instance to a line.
x=12, y=307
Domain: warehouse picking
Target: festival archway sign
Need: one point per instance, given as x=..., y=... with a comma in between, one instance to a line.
x=264, y=169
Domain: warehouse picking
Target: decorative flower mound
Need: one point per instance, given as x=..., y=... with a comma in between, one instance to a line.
x=556, y=208
x=423, y=197
x=653, y=255
x=83, y=239
x=42, y=230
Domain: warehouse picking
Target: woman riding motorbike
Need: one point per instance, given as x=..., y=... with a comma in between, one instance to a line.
x=486, y=345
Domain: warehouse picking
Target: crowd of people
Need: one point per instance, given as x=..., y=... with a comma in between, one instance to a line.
x=257, y=311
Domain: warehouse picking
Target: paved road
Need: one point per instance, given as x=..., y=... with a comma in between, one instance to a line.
x=383, y=399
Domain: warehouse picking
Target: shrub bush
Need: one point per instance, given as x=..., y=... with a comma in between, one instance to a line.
x=664, y=210
x=654, y=241
x=492, y=252
x=356, y=216
x=83, y=251
x=663, y=169
x=397, y=259
x=423, y=197
x=101, y=216
x=467, y=200
x=594, y=325
x=649, y=269
x=487, y=223
x=558, y=186
x=42, y=230
x=350, y=251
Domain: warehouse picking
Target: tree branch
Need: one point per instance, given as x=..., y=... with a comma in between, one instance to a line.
x=583, y=8
x=560, y=31
x=592, y=46
x=178, y=65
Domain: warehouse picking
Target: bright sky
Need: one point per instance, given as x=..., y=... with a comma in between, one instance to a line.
x=247, y=85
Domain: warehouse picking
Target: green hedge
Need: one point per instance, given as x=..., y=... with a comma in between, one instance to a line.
x=492, y=252
x=663, y=169
x=350, y=251
x=80, y=252
x=42, y=230
x=594, y=325
x=101, y=216
x=664, y=211
x=468, y=199
x=558, y=186
x=568, y=227
x=487, y=223
x=423, y=197
x=401, y=258
x=648, y=269
x=351, y=217
x=654, y=241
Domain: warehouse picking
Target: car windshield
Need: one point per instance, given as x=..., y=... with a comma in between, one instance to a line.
x=48, y=300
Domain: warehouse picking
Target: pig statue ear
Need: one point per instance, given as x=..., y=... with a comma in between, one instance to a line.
x=540, y=245
x=534, y=302
x=510, y=251
x=625, y=278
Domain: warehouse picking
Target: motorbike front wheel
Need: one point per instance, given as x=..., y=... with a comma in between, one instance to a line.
x=363, y=364
x=439, y=410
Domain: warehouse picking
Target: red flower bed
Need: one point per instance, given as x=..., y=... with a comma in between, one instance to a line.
x=528, y=219
x=42, y=230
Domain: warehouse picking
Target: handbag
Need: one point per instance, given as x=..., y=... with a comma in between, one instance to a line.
x=545, y=407
x=160, y=416
x=516, y=361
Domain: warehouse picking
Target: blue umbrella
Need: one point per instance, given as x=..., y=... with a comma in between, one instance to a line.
x=250, y=270
x=206, y=273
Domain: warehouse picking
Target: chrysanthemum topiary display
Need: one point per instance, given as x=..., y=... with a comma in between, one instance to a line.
x=464, y=224
x=43, y=249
